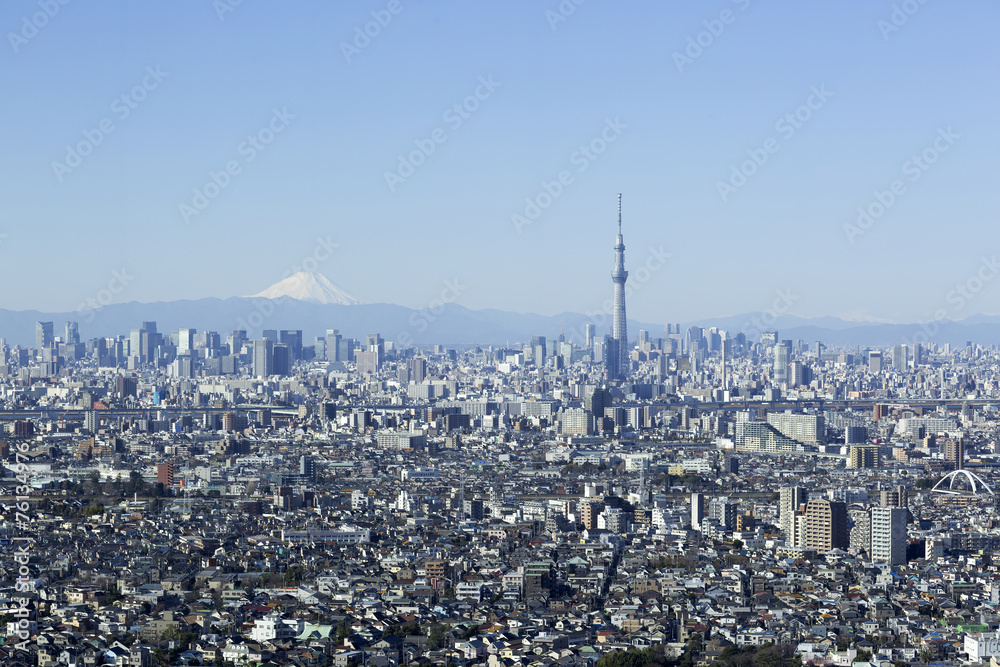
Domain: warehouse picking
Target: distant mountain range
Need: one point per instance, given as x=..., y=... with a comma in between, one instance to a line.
x=313, y=304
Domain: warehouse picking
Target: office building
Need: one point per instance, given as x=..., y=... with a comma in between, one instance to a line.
x=418, y=369
x=293, y=339
x=875, y=362
x=281, y=359
x=370, y=359
x=855, y=435
x=72, y=336
x=898, y=354
x=781, y=356
x=612, y=359
x=333, y=339
x=263, y=357
x=185, y=342
x=43, y=335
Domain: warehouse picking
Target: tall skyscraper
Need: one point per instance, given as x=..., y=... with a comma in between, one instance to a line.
x=875, y=362
x=43, y=335
x=618, y=277
x=418, y=369
x=185, y=341
x=263, y=357
x=72, y=333
x=293, y=339
x=281, y=359
x=781, y=355
x=899, y=358
x=612, y=358
x=333, y=345
x=236, y=341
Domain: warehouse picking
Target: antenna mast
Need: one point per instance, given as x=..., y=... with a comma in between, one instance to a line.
x=619, y=213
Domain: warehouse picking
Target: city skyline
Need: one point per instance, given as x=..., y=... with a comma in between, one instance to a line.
x=747, y=137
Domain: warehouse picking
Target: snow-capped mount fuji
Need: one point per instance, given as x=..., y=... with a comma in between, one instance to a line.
x=310, y=287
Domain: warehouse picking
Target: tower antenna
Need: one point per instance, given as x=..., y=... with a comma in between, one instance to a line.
x=619, y=213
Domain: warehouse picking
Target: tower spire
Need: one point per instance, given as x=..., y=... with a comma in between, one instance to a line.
x=619, y=329
x=619, y=214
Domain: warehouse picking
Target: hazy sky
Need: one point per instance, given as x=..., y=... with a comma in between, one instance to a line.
x=116, y=113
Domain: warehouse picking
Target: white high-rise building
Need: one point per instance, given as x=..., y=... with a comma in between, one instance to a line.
x=790, y=498
x=899, y=358
x=807, y=429
x=889, y=535
x=697, y=510
x=781, y=354
x=185, y=341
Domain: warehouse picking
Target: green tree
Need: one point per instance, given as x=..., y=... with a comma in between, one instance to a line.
x=437, y=637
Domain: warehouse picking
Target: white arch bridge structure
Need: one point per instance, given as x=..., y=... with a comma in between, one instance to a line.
x=969, y=484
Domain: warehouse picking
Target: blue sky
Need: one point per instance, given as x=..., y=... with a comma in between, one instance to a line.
x=337, y=123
